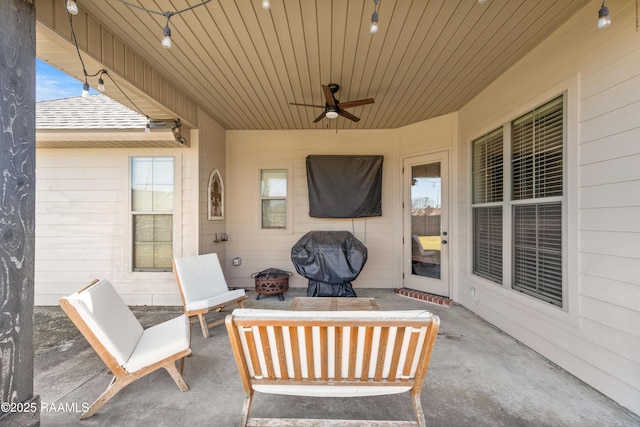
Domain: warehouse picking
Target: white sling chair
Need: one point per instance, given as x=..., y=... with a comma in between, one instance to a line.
x=129, y=351
x=203, y=288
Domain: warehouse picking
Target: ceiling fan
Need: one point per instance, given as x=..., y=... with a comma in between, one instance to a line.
x=334, y=108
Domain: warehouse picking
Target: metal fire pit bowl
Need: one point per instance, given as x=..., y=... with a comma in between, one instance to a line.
x=272, y=281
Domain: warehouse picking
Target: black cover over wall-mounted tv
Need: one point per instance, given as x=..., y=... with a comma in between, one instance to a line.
x=344, y=186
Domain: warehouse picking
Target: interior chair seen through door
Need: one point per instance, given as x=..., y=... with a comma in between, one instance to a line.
x=203, y=288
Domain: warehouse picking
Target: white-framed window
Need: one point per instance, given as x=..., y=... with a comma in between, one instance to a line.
x=529, y=153
x=273, y=199
x=152, y=206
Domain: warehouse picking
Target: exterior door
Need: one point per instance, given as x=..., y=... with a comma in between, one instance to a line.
x=425, y=249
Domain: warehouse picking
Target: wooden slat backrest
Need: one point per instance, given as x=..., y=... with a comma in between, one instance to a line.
x=330, y=351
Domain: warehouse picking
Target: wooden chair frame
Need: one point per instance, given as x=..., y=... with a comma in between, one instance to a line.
x=121, y=377
x=201, y=313
x=258, y=363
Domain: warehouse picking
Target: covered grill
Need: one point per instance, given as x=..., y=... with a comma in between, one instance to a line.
x=331, y=260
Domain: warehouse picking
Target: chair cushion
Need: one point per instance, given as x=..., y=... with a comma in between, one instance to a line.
x=215, y=301
x=109, y=318
x=159, y=342
x=329, y=391
x=201, y=277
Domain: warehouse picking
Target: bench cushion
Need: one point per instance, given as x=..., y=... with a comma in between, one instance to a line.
x=329, y=390
x=265, y=314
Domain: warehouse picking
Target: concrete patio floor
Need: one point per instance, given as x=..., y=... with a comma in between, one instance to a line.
x=478, y=376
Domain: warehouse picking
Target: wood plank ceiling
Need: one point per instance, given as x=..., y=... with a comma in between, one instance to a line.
x=244, y=64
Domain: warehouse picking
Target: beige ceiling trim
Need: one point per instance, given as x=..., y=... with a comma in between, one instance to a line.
x=78, y=138
x=153, y=94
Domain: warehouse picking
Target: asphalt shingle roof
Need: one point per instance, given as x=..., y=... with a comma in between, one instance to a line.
x=92, y=112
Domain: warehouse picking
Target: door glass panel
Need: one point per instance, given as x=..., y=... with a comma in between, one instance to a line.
x=426, y=215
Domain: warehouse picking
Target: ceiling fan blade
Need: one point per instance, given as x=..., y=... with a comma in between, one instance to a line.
x=307, y=105
x=328, y=95
x=348, y=115
x=357, y=103
x=320, y=117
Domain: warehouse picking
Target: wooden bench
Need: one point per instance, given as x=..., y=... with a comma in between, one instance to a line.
x=332, y=354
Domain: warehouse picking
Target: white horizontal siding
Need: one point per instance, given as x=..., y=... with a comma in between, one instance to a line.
x=83, y=224
x=597, y=339
x=617, y=292
x=617, y=243
x=614, y=219
x=611, y=171
x=618, y=195
x=618, y=268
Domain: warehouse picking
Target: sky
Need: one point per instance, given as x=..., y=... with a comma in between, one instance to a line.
x=428, y=188
x=52, y=83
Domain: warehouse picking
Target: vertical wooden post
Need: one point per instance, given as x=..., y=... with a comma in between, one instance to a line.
x=18, y=405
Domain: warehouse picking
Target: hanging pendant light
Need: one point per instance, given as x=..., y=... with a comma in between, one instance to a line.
x=374, y=18
x=72, y=7
x=166, y=32
x=604, y=20
x=374, y=23
x=166, y=36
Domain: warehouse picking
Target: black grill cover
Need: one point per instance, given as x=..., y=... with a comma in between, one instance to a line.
x=330, y=260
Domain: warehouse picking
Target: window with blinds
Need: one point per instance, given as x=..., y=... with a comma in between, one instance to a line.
x=488, y=168
x=487, y=243
x=537, y=190
x=488, y=172
x=532, y=203
x=537, y=151
x=537, y=251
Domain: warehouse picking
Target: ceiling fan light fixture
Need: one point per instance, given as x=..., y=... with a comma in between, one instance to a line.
x=332, y=113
